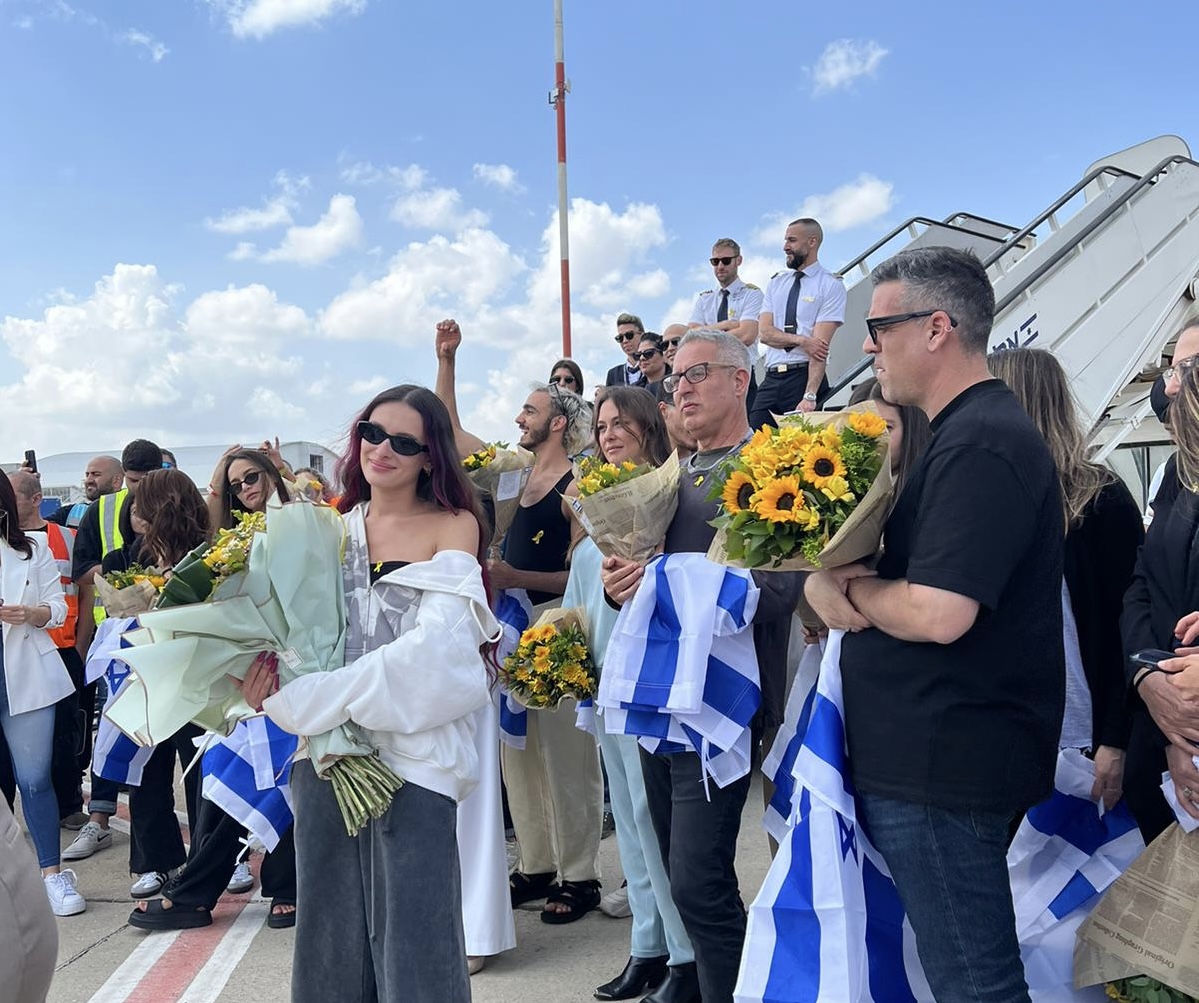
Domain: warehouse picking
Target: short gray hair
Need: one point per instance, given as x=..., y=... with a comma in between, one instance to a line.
x=729, y=350
x=944, y=278
x=577, y=412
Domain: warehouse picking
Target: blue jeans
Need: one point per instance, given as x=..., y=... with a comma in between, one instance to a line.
x=30, y=738
x=950, y=868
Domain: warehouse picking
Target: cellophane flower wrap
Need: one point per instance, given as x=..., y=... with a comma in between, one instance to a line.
x=625, y=508
x=129, y=592
x=500, y=473
x=812, y=493
x=551, y=661
x=273, y=583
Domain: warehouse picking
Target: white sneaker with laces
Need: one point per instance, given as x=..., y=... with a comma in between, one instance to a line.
x=616, y=904
x=90, y=839
x=242, y=880
x=148, y=885
x=60, y=889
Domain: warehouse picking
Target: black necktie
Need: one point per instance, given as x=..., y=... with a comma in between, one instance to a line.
x=722, y=311
x=789, y=324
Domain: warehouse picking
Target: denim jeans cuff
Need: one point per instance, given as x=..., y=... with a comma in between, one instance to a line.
x=102, y=807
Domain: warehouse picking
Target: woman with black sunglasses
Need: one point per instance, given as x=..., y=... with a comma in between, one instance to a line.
x=244, y=481
x=567, y=375
x=650, y=358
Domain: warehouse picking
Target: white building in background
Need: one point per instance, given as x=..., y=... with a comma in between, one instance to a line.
x=62, y=473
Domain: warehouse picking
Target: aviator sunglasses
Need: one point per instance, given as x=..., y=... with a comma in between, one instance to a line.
x=404, y=445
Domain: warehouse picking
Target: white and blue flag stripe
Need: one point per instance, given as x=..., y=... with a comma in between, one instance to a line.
x=115, y=756
x=514, y=612
x=779, y=762
x=246, y=774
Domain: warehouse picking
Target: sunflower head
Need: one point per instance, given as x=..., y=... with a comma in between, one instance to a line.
x=820, y=464
x=779, y=500
x=738, y=490
x=867, y=423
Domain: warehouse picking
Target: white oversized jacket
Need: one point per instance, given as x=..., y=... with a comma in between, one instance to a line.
x=413, y=674
x=34, y=673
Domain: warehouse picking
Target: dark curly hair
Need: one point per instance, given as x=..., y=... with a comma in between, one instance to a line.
x=175, y=515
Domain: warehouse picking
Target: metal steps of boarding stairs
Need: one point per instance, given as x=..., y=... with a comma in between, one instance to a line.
x=1104, y=278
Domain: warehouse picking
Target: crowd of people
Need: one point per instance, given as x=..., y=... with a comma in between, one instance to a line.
x=1015, y=580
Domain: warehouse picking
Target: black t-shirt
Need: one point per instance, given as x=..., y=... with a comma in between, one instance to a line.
x=123, y=558
x=539, y=537
x=973, y=724
x=88, y=547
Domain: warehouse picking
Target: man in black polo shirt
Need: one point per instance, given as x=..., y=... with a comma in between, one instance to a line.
x=954, y=670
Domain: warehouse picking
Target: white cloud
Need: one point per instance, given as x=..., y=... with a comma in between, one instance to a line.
x=152, y=45
x=338, y=230
x=363, y=172
x=499, y=176
x=436, y=209
x=259, y=18
x=275, y=211
x=368, y=387
x=844, y=61
x=24, y=23
x=267, y=403
x=862, y=200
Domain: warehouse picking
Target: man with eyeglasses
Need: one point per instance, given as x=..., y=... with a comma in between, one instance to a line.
x=733, y=306
x=629, y=331
x=697, y=823
x=953, y=665
x=802, y=308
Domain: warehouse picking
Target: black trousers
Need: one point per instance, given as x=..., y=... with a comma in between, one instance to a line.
x=1143, y=767
x=698, y=839
x=215, y=845
x=782, y=392
x=156, y=844
x=70, y=729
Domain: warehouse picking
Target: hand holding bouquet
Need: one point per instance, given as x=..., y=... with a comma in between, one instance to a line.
x=625, y=508
x=813, y=493
x=551, y=662
x=501, y=473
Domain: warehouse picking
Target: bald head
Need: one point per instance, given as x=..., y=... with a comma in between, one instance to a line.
x=102, y=477
x=28, y=490
x=671, y=337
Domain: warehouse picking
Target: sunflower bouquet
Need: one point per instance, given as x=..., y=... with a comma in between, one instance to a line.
x=481, y=458
x=129, y=592
x=625, y=508
x=813, y=493
x=551, y=662
x=500, y=473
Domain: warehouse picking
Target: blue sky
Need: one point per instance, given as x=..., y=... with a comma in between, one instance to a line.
x=227, y=219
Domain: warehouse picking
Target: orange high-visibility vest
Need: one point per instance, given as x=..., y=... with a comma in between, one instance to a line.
x=62, y=546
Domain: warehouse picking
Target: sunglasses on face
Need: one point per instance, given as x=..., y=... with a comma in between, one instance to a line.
x=562, y=379
x=627, y=335
x=646, y=355
x=721, y=261
x=403, y=445
x=235, y=487
x=671, y=342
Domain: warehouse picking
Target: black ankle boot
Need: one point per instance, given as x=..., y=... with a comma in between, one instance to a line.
x=639, y=975
x=681, y=986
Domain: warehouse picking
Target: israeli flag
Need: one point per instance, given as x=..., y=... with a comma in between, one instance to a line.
x=1066, y=853
x=680, y=670
x=779, y=763
x=514, y=612
x=246, y=774
x=827, y=923
x=115, y=756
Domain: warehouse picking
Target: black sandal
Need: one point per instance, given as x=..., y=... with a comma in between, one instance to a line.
x=281, y=920
x=530, y=887
x=155, y=917
x=581, y=896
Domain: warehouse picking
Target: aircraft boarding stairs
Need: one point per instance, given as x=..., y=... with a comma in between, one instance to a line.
x=1104, y=278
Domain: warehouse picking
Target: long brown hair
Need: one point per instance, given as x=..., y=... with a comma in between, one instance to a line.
x=1183, y=418
x=637, y=405
x=230, y=502
x=1037, y=379
x=175, y=515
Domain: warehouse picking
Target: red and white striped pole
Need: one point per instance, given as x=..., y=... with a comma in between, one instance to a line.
x=558, y=100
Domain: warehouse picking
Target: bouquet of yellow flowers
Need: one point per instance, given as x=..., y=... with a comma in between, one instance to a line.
x=197, y=577
x=481, y=458
x=501, y=473
x=129, y=592
x=813, y=493
x=551, y=662
x=625, y=508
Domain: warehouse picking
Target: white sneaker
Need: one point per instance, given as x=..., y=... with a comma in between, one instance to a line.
x=242, y=880
x=148, y=885
x=60, y=889
x=616, y=904
x=90, y=839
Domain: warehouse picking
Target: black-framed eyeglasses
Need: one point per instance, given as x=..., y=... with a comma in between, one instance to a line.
x=404, y=445
x=722, y=261
x=876, y=325
x=646, y=354
x=692, y=374
x=1180, y=369
x=627, y=335
x=563, y=379
x=671, y=342
x=246, y=482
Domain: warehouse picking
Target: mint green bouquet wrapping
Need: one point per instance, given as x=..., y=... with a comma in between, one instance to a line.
x=289, y=599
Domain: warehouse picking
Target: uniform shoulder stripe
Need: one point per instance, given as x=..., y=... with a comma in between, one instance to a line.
x=750, y=285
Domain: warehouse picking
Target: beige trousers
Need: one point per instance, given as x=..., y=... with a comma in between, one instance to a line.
x=556, y=796
x=28, y=933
